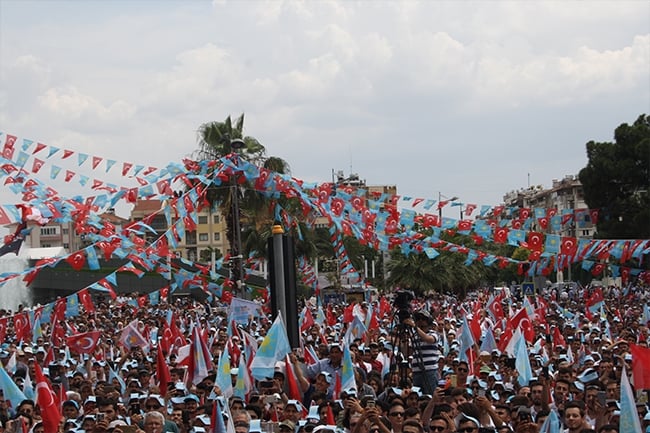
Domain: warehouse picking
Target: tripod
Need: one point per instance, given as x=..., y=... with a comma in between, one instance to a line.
x=406, y=345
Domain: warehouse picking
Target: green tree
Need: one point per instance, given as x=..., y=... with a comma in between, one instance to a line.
x=215, y=140
x=616, y=180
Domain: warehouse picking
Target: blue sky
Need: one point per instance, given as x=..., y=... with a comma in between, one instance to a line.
x=463, y=98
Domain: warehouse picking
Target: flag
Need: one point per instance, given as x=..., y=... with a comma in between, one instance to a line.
x=475, y=326
x=306, y=320
x=13, y=242
x=640, y=366
x=629, y=420
x=12, y=363
x=86, y=300
x=244, y=383
x=113, y=376
x=293, y=391
x=216, y=420
x=347, y=370
x=11, y=391
x=356, y=330
x=551, y=423
x=273, y=349
x=489, y=343
x=45, y=399
x=495, y=308
x=162, y=371
x=84, y=343
x=522, y=362
x=200, y=359
x=521, y=319
x=28, y=386
x=223, y=379
x=466, y=340
x=22, y=326
x=131, y=336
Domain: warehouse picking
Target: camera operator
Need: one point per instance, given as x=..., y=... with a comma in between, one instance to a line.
x=426, y=352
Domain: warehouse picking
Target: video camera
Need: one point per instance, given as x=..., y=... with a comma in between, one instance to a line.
x=402, y=305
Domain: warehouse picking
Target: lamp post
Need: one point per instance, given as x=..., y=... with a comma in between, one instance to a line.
x=236, y=268
x=440, y=197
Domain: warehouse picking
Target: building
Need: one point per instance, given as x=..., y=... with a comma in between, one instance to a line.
x=63, y=235
x=565, y=194
x=196, y=245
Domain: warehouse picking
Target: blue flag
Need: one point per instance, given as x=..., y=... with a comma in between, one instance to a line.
x=347, y=370
x=10, y=390
x=551, y=423
x=273, y=349
x=223, y=379
x=629, y=420
x=489, y=343
x=522, y=362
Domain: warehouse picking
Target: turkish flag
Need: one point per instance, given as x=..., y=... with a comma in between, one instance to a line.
x=496, y=308
x=535, y=241
x=348, y=314
x=83, y=343
x=558, y=338
x=501, y=235
x=640, y=369
x=86, y=300
x=569, y=246
x=3, y=328
x=162, y=371
x=331, y=318
x=307, y=321
x=45, y=399
x=77, y=260
x=521, y=319
x=22, y=327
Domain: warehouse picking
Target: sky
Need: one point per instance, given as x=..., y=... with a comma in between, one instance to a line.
x=467, y=99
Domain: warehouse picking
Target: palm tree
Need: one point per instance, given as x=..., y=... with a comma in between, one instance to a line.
x=215, y=141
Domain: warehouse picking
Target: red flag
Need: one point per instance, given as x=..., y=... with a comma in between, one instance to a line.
x=496, y=308
x=331, y=318
x=337, y=385
x=475, y=326
x=22, y=327
x=45, y=398
x=77, y=260
x=307, y=321
x=292, y=381
x=521, y=319
x=640, y=369
x=162, y=371
x=505, y=338
x=558, y=338
x=86, y=300
x=348, y=314
x=83, y=343
x=3, y=328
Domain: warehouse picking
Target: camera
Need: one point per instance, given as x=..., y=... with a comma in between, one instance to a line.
x=402, y=304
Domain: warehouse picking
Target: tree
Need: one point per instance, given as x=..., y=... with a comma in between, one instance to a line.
x=616, y=181
x=215, y=141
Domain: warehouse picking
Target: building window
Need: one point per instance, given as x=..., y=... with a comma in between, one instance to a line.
x=586, y=233
x=203, y=237
x=48, y=231
x=203, y=219
x=215, y=219
x=65, y=231
x=66, y=246
x=217, y=236
x=46, y=246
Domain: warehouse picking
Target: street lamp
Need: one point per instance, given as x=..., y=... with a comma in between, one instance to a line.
x=440, y=197
x=236, y=269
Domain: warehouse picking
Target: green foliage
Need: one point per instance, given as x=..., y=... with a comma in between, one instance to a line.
x=616, y=180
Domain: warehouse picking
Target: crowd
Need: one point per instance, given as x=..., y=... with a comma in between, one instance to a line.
x=436, y=365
